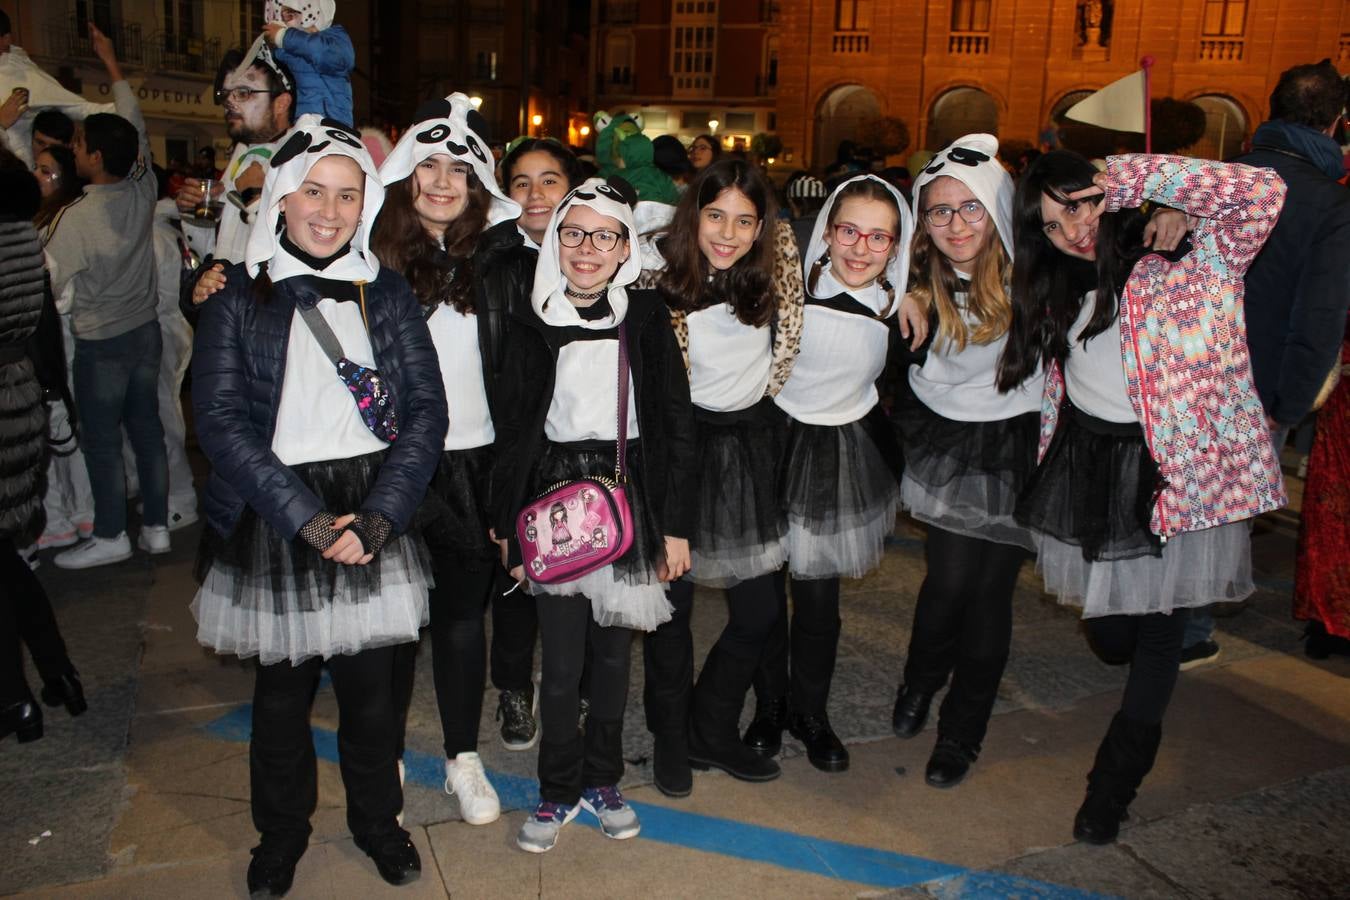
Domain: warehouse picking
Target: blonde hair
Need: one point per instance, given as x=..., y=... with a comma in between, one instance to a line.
x=934, y=284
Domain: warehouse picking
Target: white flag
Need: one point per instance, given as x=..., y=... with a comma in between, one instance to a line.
x=1119, y=105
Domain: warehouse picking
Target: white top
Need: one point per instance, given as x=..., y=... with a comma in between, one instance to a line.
x=455, y=336
x=833, y=381
x=317, y=418
x=585, y=404
x=729, y=361
x=960, y=384
x=1094, y=374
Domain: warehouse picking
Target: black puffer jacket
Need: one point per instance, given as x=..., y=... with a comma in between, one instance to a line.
x=1299, y=286
x=23, y=416
x=238, y=364
x=664, y=413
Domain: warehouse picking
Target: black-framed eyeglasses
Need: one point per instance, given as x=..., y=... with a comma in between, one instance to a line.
x=846, y=235
x=602, y=239
x=970, y=212
x=239, y=94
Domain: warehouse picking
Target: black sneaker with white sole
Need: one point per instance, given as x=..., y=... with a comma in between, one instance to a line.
x=516, y=710
x=1199, y=654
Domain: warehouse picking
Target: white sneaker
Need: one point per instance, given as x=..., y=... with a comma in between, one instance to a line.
x=153, y=539
x=465, y=778
x=96, y=551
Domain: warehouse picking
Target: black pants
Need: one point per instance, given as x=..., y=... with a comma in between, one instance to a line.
x=282, y=767
x=668, y=652
x=464, y=588
x=963, y=628
x=811, y=639
x=26, y=612
x=567, y=760
x=1151, y=644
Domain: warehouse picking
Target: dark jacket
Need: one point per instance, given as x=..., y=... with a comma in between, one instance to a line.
x=503, y=275
x=664, y=413
x=238, y=364
x=1298, y=288
x=23, y=415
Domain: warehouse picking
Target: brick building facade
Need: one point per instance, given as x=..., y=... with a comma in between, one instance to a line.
x=947, y=67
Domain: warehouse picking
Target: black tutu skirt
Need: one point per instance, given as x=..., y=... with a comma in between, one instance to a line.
x=965, y=477
x=627, y=592
x=262, y=595
x=841, y=491
x=453, y=518
x=741, y=524
x=1090, y=503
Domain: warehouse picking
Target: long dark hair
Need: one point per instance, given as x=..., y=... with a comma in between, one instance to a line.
x=68, y=186
x=1048, y=286
x=748, y=285
x=401, y=242
x=567, y=160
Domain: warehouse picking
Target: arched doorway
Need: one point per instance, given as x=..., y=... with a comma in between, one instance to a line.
x=838, y=117
x=963, y=110
x=1225, y=128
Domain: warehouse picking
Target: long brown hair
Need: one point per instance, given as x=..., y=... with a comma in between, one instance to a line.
x=748, y=285
x=866, y=189
x=401, y=242
x=934, y=284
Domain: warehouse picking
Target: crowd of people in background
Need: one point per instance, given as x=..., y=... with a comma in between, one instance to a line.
x=442, y=378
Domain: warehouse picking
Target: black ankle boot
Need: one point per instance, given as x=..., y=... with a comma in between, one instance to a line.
x=1322, y=645
x=823, y=747
x=66, y=691
x=714, y=742
x=271, y=871
x=23, y=718
x=1124, y=757
x=395, y=857
x=950, y=762
x=670, y=765
x=911, y=711
x=765, y=734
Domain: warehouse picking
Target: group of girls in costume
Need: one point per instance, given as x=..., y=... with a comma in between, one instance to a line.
x=348, y=509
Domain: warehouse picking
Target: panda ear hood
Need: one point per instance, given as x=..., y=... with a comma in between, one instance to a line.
x=452, y=127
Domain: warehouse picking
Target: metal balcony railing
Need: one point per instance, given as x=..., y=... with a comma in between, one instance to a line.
x=968, y=43
x=70, y=40
x=852, y=42
x=193, y=54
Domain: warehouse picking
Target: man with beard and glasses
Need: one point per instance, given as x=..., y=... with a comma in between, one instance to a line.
x=258, y=97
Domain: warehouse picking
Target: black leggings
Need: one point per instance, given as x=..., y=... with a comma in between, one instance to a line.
x=811, y=639
x=668, y=652
x=963, y=628
x=1151, y=644
x=26, y=612
x=567, y=761
x=282, y=767
x=464, y=588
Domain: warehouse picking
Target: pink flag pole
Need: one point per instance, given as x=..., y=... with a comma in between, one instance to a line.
x=1147, y=64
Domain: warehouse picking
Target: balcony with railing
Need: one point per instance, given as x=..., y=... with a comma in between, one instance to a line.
x=968, y=43
x=69, y=40
x=191, y=54
x=1221, y=49
x=852, y=42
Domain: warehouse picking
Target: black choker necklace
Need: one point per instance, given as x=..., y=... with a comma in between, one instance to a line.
x=584, y=298
x=308, y=258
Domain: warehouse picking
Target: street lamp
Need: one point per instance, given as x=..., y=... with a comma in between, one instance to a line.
x=712, y=126
x=536, y=120
x=585, y=131
x=476, y=101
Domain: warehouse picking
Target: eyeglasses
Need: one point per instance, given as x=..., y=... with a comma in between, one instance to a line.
x=239, y=94
x=602, y=240
x=846, y=235
x=970, y=212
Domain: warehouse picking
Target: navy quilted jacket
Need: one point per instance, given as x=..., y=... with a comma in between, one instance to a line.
x=238, y=363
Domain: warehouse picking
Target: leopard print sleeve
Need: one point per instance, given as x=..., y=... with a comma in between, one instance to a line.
x=790, y=293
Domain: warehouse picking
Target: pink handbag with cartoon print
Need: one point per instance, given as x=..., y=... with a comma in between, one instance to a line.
x=578, y=526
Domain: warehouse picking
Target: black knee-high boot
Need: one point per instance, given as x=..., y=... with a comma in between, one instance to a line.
x=714, y=727
x=1125, y=756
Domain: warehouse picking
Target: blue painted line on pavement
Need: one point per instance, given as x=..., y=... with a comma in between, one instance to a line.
x=726, y=837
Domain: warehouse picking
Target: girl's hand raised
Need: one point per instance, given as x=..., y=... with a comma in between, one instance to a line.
x=913, y=322
x=677, y=560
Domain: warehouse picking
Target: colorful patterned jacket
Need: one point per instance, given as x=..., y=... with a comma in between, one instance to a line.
x=1184, y=344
